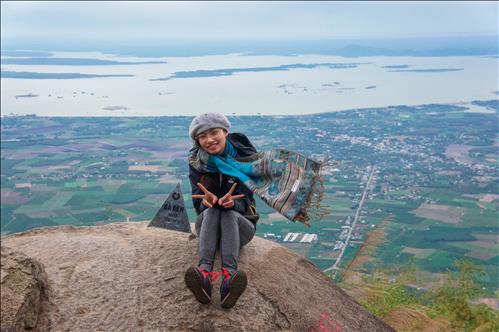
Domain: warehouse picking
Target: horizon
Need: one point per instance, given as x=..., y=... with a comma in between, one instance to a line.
x=345, y=47
x=244, y=57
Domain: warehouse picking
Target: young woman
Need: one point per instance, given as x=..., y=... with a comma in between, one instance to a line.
x=225, y=206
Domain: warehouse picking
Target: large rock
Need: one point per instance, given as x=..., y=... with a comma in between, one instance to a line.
x=126, y=276
x=22, y=282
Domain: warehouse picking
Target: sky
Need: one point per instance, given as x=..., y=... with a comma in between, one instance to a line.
x=252, y=20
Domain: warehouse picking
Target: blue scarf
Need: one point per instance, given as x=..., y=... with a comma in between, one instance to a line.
x=287, y=181
x=229, y=151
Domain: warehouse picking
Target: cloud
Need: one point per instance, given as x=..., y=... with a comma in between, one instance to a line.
x=181, y=20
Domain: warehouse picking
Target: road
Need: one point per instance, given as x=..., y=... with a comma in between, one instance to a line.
x=355, y=219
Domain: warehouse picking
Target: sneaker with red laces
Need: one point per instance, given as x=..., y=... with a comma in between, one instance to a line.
x=232, y=287
x=199, y=282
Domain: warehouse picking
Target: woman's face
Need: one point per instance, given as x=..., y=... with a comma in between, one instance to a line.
x=213, y=140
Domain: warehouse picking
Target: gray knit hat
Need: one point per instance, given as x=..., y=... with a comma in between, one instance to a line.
x=206, y=121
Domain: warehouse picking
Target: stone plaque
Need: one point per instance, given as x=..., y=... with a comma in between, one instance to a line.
x=172, y=214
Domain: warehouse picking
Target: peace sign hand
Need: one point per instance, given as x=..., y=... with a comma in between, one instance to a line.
x=209, y=199
x=227, y=201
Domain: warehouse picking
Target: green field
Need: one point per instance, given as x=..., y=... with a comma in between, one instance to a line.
x=79, y=171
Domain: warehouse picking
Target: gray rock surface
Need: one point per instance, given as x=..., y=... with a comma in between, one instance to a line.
x=22, y=283
x=130, y=277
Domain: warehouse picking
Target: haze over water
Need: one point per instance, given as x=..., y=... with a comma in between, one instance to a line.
x=368, y=83
x=437, y=52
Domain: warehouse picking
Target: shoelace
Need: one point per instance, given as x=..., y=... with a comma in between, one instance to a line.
x=226, y=273
x=214, y=275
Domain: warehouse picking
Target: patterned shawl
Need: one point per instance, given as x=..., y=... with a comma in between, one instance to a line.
x=287, y=181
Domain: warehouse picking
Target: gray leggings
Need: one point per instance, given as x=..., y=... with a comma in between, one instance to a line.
x=228, y=227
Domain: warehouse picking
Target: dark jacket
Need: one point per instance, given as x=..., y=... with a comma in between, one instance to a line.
x=219, y=184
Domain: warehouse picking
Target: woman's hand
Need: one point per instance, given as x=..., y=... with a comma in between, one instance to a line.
x=227, y=201
x=209, y=199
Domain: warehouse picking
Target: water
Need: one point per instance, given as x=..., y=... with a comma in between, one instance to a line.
x=292, y=92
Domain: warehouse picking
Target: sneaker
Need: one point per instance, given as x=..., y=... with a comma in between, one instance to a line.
x=199, y=282
x=232, y=287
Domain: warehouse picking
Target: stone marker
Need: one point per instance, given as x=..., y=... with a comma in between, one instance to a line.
x=172, y=215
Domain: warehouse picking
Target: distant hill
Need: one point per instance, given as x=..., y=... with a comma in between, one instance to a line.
x=430, y=46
